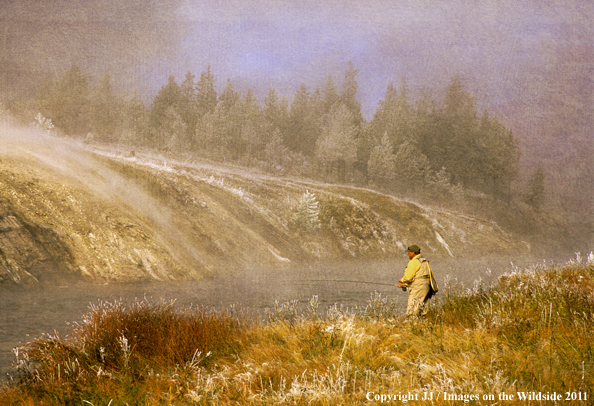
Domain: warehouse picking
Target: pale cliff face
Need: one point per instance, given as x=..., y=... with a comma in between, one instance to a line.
x=108, y=215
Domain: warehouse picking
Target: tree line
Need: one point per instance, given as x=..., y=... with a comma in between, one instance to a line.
x=425, y=143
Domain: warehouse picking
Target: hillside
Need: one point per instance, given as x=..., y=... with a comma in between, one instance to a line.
x=120, y=215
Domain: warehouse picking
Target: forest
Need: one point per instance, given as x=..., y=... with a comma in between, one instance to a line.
x=425, y=144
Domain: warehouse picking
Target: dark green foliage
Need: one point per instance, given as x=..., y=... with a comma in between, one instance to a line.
x=206, y=95
x=426, y=141
x=187, y=108
x=67, y=102
x=105, y=111
x=536, y=190
x=456, y=147
x=349, y=94
x=499, y=156
x=168, y=97
x=450, y=140
x=336, y=148
x=302, y=129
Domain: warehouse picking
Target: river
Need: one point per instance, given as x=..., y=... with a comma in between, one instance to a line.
x=28, y=312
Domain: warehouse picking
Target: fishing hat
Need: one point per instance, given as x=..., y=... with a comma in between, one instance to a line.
x=414, y=248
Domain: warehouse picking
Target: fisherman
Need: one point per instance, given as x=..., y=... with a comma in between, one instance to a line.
x=417, y=278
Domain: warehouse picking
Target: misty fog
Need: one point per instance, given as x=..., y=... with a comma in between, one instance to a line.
x=528, y=62
x=27, y=313
x=524, y=68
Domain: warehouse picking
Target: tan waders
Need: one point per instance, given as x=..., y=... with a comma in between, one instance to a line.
x=417, y=298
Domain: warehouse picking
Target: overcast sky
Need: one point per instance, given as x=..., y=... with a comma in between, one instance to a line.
x=491, y=44
x=262, y=44
x=530, y=62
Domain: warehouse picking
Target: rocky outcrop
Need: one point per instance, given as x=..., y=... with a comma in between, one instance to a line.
x=117, y=217
x=31, y=253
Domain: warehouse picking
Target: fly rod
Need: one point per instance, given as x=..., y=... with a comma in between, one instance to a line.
x=346, y=280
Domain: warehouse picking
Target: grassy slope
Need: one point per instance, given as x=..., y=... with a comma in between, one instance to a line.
x=127, y=218
x=529, y=333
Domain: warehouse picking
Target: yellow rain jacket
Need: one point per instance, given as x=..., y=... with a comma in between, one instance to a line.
x=417, y=277
x=417, y=267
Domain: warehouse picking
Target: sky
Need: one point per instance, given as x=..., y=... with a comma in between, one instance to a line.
x=530, y=62
x=490, y=44
x=261, y=44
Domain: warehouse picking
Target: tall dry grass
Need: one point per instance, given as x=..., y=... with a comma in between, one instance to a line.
x=122, y=347
x=529, y=332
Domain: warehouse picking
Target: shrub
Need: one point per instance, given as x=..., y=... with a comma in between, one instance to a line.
x=43, y=123
x=308, y=212
x=132, y=339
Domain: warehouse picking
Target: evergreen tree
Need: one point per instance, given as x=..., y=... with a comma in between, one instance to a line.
x=206, y=98
x=168, y=97
x=403, y=114
x=212, y=132
x=41, y=122
x=308, y=212
x=45, y=99
x=425, y=128
x=187, y=108
x=172, y=131
x=535, y=196
x=134, y=120
x=229, y=97
x=301, y=132
x=350, y=89
x=499, y=156
x=105, y=110
x=382, y=163
x=220, y=132
x=275, y=152
x=457, y=142
x=394, y=117
x=275, y=112
x=67, y=103
x=365, y=144
x=330, y=95
x=412, y=167
x=337, y=145
x=252, y=126
x=316, y=106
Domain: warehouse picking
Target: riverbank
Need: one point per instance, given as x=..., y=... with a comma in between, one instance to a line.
x=529, y=333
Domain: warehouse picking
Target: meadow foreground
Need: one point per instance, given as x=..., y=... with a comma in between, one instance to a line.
x=525, y=340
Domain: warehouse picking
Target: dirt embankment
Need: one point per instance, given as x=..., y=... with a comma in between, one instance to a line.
x=66, y=209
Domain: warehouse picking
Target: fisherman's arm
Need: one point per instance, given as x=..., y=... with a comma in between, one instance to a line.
x=409, y=273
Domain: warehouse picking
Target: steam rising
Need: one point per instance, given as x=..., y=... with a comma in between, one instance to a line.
x=73, y=163
x=528, y=62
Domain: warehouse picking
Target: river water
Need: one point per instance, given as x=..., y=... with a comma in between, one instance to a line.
x=29, y=312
